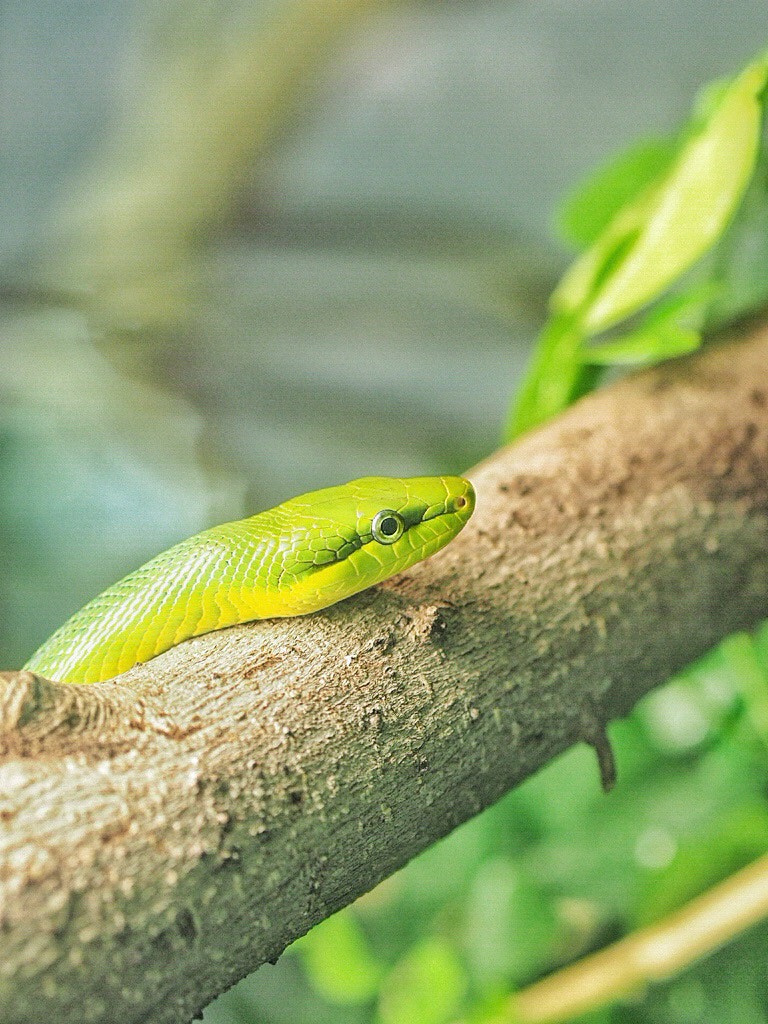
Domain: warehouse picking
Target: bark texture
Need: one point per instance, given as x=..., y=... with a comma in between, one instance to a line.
x=162, y=836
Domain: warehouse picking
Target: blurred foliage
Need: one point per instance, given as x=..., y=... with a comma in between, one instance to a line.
x=378, y=266
x=644, y=221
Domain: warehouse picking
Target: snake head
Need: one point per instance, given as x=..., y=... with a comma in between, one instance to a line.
x=344, y=539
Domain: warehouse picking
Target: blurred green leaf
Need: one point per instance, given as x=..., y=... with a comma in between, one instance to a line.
x=490, y=1008
x=588, y=210
x=650, y=216
x=761, y=646
x=658, y=235
x=339, y=961
x=425, y=987
x=740, y=258
x=740, y=836
x=645, y=345
x=557, y=376
x=511, y=923
x=671, y=328
x=741, y=654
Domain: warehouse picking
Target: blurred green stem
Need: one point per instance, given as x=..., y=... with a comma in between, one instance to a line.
x=545, y=392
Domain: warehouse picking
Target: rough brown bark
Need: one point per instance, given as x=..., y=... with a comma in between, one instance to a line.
x=162, y=836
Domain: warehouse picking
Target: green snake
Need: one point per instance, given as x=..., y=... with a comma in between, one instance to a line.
x=298, y=557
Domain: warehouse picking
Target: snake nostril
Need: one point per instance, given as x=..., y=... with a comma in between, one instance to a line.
x=461, y=502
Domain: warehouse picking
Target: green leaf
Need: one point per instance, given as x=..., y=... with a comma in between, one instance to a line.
x=671, y=328
x=657, y=236
x=339, y=962
x=670, y=220
x=741, y=655
x=591, y=207
x=761, y=646
x=511, y=923
x=557, y=377
x=425, y=987
x=646, y=345
x=741, y=255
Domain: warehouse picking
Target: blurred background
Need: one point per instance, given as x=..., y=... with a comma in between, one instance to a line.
x=250, y=249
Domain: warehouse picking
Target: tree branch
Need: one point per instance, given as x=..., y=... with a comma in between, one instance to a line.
x=162, y=836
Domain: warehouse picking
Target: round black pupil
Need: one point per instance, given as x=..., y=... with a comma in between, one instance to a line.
x=388, y=526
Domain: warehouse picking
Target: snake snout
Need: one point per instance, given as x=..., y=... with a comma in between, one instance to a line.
x=462, y=502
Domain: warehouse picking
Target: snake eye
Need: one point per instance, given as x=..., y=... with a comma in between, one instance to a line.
x=387, y=526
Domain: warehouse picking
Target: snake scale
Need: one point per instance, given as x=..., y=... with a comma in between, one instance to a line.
x=298, y=557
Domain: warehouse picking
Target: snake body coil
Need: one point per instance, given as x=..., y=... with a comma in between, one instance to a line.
x=298, y=557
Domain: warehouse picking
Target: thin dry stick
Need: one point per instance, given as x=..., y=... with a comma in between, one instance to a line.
x=650, y=954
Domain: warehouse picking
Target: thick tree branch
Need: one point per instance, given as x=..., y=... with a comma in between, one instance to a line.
x=162, y=836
